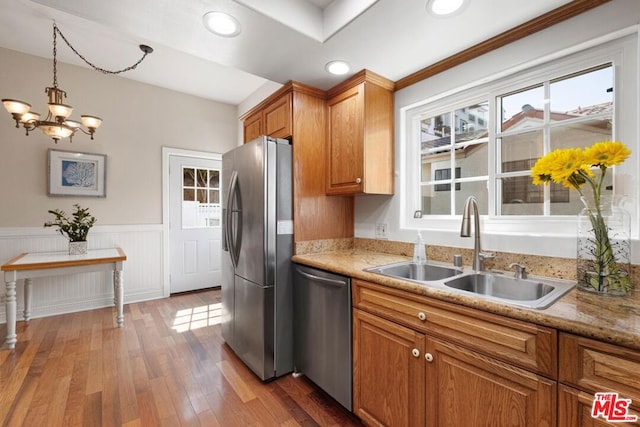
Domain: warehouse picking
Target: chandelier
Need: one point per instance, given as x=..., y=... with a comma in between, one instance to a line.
x=57, y=124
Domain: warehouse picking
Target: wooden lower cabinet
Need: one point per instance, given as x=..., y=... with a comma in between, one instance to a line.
x=574, y=410
x=388, y=380
x=587, y=367
x=406, y=378
x=465, y=388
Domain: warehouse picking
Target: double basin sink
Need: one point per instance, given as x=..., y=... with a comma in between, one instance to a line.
x=537, y=293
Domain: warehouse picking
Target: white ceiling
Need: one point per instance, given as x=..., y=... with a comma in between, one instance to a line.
x=281, y=40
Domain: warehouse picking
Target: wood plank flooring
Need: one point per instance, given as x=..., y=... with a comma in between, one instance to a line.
x=168, y=366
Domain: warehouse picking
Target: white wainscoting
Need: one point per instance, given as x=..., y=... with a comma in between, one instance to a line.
x=143, y=269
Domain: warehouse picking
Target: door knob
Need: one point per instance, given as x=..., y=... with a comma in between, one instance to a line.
x=415, y=352
x=429, y=357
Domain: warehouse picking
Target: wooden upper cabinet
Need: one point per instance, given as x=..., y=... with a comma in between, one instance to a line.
x=273, y=119
x=277, y=117
x=298, y=113
x=253, y=126
x=360, y=146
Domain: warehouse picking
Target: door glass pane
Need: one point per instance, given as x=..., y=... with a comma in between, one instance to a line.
x=202, y=196
x=522, y=109
x=582, y=94
x=214, y=179
x=202, y=178
x=201, y=201
x=188, y=177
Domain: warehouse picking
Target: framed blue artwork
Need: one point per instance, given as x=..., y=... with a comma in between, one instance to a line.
x=77, y=174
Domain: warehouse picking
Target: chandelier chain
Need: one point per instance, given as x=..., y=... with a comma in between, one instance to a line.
x=95, y=67
x=55, y=58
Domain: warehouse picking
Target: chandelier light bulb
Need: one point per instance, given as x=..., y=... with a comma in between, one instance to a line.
x=72, y=123
x=91, y=122
x=14, y=106
x=60, y=110
x=30, y=116
x=56, y=131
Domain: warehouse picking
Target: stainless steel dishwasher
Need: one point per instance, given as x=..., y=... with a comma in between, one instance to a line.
x=322, y=331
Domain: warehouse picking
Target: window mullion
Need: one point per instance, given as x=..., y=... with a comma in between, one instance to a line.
x=546, y=141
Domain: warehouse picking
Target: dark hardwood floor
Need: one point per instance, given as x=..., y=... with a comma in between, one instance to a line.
x=167, y=366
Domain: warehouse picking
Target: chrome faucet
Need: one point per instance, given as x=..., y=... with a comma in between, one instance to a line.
x=465, y=231
x=520, y=270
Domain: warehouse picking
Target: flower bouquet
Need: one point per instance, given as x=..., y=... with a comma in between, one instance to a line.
x=603, y=256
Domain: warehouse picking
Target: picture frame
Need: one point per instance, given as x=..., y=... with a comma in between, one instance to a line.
x=72, y=173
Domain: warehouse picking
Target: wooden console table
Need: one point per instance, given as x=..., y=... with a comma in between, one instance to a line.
x=28, y=266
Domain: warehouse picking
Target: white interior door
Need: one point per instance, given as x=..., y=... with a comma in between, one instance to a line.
x=195, y=245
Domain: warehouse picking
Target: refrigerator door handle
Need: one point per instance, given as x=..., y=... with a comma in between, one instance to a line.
x=233, y=251
x=323, y=280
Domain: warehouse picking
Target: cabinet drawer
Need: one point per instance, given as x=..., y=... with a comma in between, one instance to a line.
x=523, y=344
x=594, y=366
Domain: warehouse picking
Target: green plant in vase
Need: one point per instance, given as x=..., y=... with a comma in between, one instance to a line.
x=75, y=228
x=584, y=170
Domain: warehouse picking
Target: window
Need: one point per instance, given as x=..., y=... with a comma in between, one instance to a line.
x=450, y=143
x=200, y=197
x=573, y=110
x=485, y=136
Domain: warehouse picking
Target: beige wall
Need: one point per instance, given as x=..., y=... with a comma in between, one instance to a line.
x=139, y=119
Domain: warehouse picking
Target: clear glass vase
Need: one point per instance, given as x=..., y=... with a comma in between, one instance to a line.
x=604, y=247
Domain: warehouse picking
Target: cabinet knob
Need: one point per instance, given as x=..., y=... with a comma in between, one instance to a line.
x=422, y=316
x=415, y=352
x=358, y=180
x=429, y=357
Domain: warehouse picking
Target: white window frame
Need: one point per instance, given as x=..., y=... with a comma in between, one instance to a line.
x=621, y=49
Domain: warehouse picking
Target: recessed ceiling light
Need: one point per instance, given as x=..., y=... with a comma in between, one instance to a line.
x=221, y=23
x=337, y=67
x=442, y=8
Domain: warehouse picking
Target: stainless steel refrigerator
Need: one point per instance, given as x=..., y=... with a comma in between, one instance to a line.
x=257, y=227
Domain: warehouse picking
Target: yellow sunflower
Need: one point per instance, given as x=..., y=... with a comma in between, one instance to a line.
x=606, y=153
x=541, y=172
x=565, y=165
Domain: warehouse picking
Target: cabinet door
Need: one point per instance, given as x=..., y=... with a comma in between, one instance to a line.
x=388, y=372
x=597, y=367
x=253, y=126
x=465, y=388
x=277, y=118
x=575, y=406
x=345, y=172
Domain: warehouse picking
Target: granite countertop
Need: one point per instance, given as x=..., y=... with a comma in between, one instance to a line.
x=611, y=319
